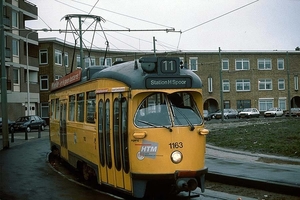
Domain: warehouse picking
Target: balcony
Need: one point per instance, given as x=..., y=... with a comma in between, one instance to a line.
x=31, y=10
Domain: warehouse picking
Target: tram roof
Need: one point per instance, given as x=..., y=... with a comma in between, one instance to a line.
x=132, y=74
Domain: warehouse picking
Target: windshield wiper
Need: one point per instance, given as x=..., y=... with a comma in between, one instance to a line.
x=155, y=126
x=192, y=127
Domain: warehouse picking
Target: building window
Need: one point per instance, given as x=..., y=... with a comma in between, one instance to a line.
x=265, y=104
x=78, y=61
x=226, y=86
x=87, y=62
x=296, y=82
x=264, y=64
x=242, y=64
x=241, y=104
x=56, y=77
x=66, y=59
x=280, y=64
x=194, y=63
x=44, y=110
x=15, y=19
x=15, y=47
x=226, y=104
x=243, y=85
x=281, y=84
x=43, y=56
x=225, y=64
x=58, y=57
x=93, y=61
x=108, y=61
x=16, y=80
x=282, y=103
x=210, y=86
x=264, y=84
x=44, y=82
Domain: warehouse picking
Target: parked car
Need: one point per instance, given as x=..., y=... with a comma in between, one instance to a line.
x=29, y=122
x=295, y=112
x=273, y=112
x=208, y=116
x=249, y=112
x=10, y=125
x=228, y=113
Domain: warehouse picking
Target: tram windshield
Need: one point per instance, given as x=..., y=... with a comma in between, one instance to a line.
x=168, y=110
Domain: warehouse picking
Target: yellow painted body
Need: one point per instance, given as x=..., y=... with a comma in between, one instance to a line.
x=82, y=138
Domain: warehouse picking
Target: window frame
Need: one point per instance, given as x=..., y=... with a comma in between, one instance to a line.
x=193, y=66
x=244, y=83
x=43, y=53
x=58, y=57
x=226, y=82
x=16, y=47
x=265, y=103
x=264, y=83
x=281, y=84
x=264, y=64
x=279, y=62
x=210, y=84
x=243, y=61
x=227, y=63
x=44, y=78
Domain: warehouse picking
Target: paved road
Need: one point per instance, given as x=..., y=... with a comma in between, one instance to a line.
x=25, y=174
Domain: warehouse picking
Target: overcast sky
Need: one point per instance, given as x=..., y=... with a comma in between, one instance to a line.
x=199, y=24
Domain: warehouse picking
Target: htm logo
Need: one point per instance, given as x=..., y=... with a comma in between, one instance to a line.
x=149, y=149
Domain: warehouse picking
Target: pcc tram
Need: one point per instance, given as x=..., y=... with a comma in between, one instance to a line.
x=135, y=126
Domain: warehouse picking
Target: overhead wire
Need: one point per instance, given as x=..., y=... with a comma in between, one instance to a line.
x=128, y=29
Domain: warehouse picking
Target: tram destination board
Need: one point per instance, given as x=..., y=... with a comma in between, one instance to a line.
x=168, y=82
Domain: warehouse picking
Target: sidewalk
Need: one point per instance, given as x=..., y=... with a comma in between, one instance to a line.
x=267, y=170
x=19, y=137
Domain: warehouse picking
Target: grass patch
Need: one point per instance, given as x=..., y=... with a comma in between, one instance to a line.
x=275, y=137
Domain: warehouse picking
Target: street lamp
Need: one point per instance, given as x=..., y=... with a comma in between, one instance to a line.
x=27, y=63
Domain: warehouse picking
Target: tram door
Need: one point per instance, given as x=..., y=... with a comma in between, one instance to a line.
x=112, y=123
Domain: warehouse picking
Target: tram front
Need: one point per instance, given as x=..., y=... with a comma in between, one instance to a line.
x=167, y=144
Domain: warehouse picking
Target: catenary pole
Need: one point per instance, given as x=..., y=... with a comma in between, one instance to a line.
x=221, y=86
x=3, y=83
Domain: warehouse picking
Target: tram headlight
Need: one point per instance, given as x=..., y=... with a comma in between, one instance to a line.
x=176, y=157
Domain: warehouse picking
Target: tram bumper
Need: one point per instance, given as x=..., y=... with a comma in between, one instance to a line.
x=186, y=184
x=190, y=180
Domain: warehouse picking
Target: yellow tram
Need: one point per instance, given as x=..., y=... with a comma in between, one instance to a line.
x=135, y=126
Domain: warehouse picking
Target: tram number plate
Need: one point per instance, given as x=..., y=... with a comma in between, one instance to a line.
x=176, y=145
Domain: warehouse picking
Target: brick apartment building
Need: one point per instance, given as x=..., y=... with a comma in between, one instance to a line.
x=260, y=79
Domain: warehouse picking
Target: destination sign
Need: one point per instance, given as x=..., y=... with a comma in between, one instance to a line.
x=168, y=82
x=67, y=80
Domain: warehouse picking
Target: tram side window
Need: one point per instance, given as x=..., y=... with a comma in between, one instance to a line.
x=116, y=133
x=91, y=107
x=57, y=109
x=101, y=132
x=124, y=135
x=52, y=113
x=80, y=107
x=107, y=134
x=72, y=108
